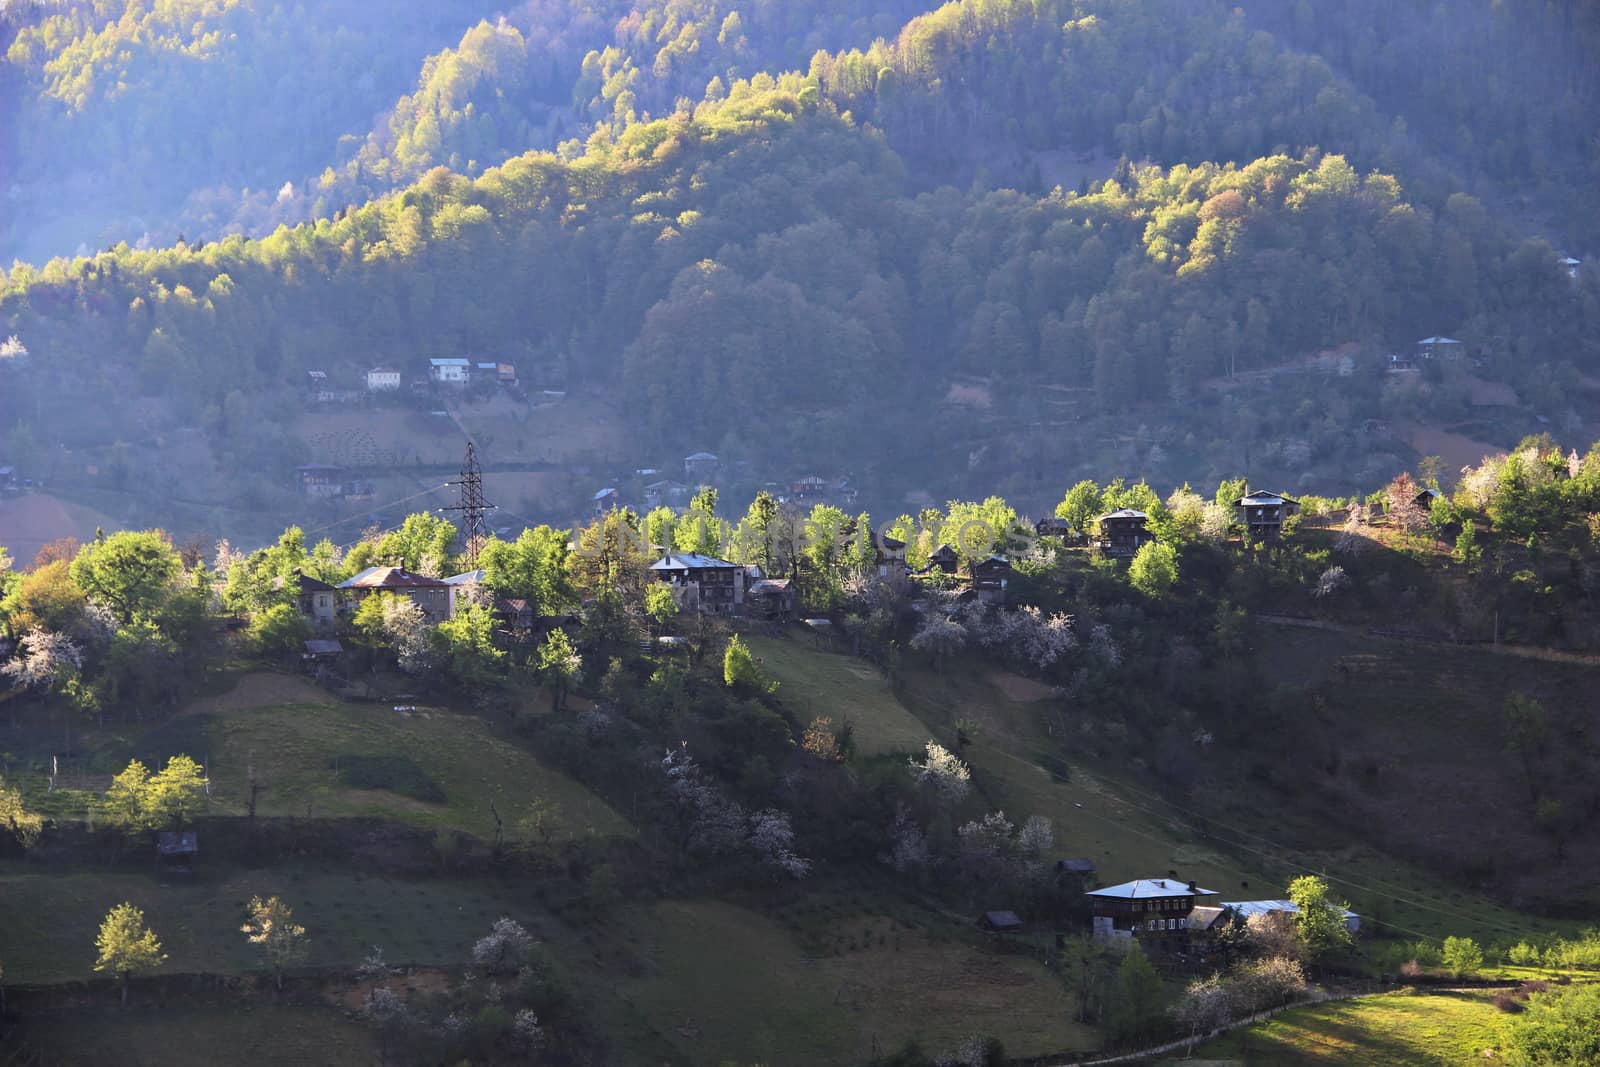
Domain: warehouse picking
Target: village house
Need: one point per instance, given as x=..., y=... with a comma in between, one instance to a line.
x=1051, y=526
x=807, y=489
x=773, y=598
x=1571, y=266
x=1400, y=363
x=605, y=500
x=665, y=493
x=429, y=594
x=1123, y=532
x=702, y=583
x=990, y=577
x=944, y=560
x=465, y=588
x=1438, y=348
x=1426, y=497
x=320, y=480
x=316, y=601
x=487, y=370
x=1144, y=906
x=506, y=373
x=383, y=379
x=1263, y=514
x=449, y=371
x=889, y=561
x=701, y=467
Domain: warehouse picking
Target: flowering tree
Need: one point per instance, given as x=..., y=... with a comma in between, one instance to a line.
x=272, y=929
x=44, y=661
x=771, y=837
x=942, y=774
x=503, y=949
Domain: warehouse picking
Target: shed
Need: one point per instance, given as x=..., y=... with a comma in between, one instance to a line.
x=1077, y=865
x=1000, y=921
x=177, y=850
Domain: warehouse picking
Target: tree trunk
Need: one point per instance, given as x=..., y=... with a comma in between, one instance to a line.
x=124, y=989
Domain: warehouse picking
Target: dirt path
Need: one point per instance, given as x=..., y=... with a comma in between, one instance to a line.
x=1549, y=655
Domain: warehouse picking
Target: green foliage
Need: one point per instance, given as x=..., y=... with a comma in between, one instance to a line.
x=126, y=945
x=1319, y=924
x=22, y=825
x=1140, y=1001
x=467, y=642
x=280, y=630
x=1462, y=956
x=131, y=572
x=534, y=567
x=660, y=604
x=1154, y=568
x=138, y=800
x=1466, y=551
x=1559, y=1027
x=397, y=774
x=739, y=670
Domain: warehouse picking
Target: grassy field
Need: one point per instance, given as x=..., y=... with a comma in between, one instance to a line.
x=812, y=683
x=727, y=984
x=304, y=744
x=1394, y=1030
x=200, y=1036
x=345, y=914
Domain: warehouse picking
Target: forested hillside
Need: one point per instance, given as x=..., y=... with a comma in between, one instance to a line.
x=783, y=243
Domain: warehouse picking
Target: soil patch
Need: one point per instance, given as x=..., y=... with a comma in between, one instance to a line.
x=1019, y=689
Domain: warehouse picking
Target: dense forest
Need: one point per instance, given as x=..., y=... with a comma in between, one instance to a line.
x=909, y=205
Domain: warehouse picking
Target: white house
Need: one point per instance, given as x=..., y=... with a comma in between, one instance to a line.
x=382, y=378
x=449, y=371
x=1572, y=266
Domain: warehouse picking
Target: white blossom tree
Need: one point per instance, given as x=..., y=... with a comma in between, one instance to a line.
x=771, y=837
x=942, y=773
x=405, y=626
x=503, y=949
x=44, y=661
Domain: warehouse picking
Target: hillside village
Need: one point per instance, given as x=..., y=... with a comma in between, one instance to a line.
x=669, y=631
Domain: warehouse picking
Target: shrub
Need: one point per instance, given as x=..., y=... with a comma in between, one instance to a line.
x=1508, y=1002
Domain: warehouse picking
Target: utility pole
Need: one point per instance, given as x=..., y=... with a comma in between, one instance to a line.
x=471, y=505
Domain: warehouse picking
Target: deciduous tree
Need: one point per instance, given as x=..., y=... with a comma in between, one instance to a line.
x=127, y=946
x=272, y=929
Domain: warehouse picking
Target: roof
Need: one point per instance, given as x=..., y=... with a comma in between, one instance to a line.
x=769, y=586
x=315, y=468
x=172, y=843
x=1002, y=920
x=700, y=455
x=323, y=647
x=466, y=578
x=488, y=366
x=601, y=494
x=383, y=370
x=666, y=484
x=450, y=362
x=683, y=561
x=1570, y=262
x=1264, y=498
x=306, y=583
x=1052, y=522
x=390, y=578
x=1123, y=513
x=1438, y=341
x=1203, y=917
x=883, y=541
x=1247, y=908
x=1150, y=888
x=1076, y=866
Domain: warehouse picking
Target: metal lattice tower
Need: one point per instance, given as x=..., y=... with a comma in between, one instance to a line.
x=471, y=505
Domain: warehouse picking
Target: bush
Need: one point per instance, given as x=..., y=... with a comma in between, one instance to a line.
x=397, y=774
x=1508, y=1002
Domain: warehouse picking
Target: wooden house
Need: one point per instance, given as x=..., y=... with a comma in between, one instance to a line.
x=320, y=480
x=665, y=493
x=1058, y=528
x=1263, y=514
x=990, y=577
x=773, y=598
x=1144, y=906
x=1123, y=532
x=702, y=583
x=889, y=560
x=605, y=500
x=430, y=594
x=808, y=489
x=1441, y=348
x=1079, y=866
x=1000, y=922
x=701, y=468
x=944, y=559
